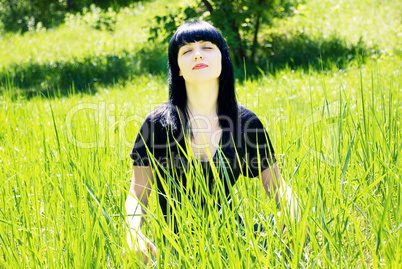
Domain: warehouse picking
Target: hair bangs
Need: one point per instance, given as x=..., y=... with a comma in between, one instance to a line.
x=196, y=31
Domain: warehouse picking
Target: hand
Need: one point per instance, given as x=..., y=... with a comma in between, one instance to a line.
x=288, y=239
x=141, y=245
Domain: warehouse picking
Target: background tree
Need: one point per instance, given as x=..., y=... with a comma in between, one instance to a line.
x=24, y=15
x=240, y=22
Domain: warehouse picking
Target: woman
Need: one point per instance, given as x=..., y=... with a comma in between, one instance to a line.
x=202, y=125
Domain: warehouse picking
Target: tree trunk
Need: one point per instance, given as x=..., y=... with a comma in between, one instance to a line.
x=31, y=8
x=238, y=53
x=69, y=5
x=256, y=29
x=208, y=6
x=255, y=41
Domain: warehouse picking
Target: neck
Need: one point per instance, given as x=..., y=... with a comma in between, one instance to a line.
x=202, y=98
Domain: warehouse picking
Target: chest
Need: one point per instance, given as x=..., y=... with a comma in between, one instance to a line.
x=206, y=136
x=205, y=142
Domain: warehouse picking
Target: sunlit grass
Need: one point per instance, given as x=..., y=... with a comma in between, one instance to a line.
x=66, y=174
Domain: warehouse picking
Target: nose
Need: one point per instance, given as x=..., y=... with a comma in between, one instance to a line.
x=198, y=56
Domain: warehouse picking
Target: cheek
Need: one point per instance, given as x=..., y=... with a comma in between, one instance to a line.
x=219, y=62
x=180, y=68
x=218, y=59
x=183, y=66
x=181, y=63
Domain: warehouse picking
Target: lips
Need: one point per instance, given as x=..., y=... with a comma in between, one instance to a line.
x=199, y=66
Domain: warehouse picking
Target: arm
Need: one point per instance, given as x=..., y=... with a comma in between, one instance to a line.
x=139, y=191
x=275, y=185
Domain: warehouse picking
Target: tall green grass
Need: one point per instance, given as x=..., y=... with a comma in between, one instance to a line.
x=66, y=173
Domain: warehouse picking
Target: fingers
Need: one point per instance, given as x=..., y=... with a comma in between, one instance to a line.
x=143, y=251
x=152, y=248
x=142, y=248
x=143, y=256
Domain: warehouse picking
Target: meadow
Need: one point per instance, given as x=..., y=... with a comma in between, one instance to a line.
x=65, y=168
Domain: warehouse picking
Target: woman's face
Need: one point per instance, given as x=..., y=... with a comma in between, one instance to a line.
x=200, y=61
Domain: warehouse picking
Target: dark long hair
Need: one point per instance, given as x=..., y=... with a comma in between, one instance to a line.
x=227, y=105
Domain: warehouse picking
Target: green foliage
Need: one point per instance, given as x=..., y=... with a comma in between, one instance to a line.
x=17, y=15
x=98, y=19
x=29, y=15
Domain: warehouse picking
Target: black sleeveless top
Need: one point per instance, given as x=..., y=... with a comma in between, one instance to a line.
x=247, y=152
